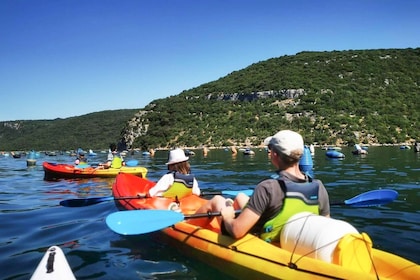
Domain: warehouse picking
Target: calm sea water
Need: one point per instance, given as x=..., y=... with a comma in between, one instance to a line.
x=32, y=220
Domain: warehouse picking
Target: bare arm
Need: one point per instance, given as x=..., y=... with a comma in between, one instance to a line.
x=240, y=226
x=162, y=185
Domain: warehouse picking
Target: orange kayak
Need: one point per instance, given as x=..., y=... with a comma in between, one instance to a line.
x=69, y=171
x=353, y=256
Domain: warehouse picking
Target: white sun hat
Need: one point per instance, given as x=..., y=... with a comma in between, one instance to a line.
x=177, y=155
x=287, y=142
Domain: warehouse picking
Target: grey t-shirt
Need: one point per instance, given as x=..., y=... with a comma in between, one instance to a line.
x=267, y=199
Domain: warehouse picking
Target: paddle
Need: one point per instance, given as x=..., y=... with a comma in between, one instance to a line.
x=231, y=193
x=129, y=222
x=132, y=162
x=370, y=198
x=81, y=202
x=144, y=221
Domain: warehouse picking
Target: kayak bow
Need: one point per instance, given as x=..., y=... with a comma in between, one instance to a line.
x=53, y=265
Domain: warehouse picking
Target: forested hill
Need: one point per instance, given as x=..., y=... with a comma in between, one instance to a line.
x=337, y=98
x=346, y=97
x=91, y=131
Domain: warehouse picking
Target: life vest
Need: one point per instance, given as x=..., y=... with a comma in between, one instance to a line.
x=299, y=197
x=116, y=162
x=182, y=186
x=80, y=161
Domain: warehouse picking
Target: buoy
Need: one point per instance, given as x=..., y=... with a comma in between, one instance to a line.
x=306, y=163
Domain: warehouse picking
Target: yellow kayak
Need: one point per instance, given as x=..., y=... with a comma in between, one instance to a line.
x=318, y=248
x=252, y=258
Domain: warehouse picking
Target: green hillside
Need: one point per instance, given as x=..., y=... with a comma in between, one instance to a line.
x=367, y=96
x=337, y=98
x=91, y=131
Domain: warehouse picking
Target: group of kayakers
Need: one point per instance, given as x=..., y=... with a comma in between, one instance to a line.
x=273, y=201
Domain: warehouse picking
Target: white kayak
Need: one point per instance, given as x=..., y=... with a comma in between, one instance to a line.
x=53, y=265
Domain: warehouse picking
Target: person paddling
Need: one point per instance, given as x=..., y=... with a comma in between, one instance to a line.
x=81, y=159
x=113, y=160
x=178, y=182
x=276, y=199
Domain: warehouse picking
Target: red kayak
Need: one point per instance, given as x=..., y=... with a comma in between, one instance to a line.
x=69, y=171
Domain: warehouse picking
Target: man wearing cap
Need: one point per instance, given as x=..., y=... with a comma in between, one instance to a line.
x=275, y=199
x=178, y=182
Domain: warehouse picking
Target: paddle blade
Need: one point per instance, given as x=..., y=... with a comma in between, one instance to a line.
x=234, y=193
x=81, y=202
x=140, y=221
x=372, y=198
x=132, y=162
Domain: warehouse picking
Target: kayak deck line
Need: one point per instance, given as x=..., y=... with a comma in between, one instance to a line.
x=292, y=264
x=190, y=237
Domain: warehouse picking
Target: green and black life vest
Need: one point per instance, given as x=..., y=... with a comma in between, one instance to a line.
x=299, y=197
x=182, y=186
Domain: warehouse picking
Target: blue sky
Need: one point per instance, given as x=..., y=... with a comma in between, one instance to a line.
x=63, y=58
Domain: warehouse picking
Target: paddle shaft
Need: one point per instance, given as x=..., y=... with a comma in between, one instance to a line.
x=337, y=203
x=144, y=221
x=207, y=215
x=370, y=198
x=377, y=198
x=81, y=202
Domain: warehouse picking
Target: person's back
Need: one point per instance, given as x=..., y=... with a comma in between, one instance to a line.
x=110, y=158
x=80, y=160
x=182, y=186
x=273, y=201
x=117, y=162
x=178, y=182
x=289, y=195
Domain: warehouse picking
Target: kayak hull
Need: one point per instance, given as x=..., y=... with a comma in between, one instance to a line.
x=250, y=257
x=52, y=266
x=69, y=171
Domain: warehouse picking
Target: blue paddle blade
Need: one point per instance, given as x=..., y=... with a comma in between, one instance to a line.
x=372, y=198
x=140, y=221
x=132, y=162
x=234, y=193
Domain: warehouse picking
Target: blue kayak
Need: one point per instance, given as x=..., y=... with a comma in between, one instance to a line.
x=334, y=154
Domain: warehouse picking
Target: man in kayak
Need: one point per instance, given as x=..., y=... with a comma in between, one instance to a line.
x=275, y=199
x=179, y=181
